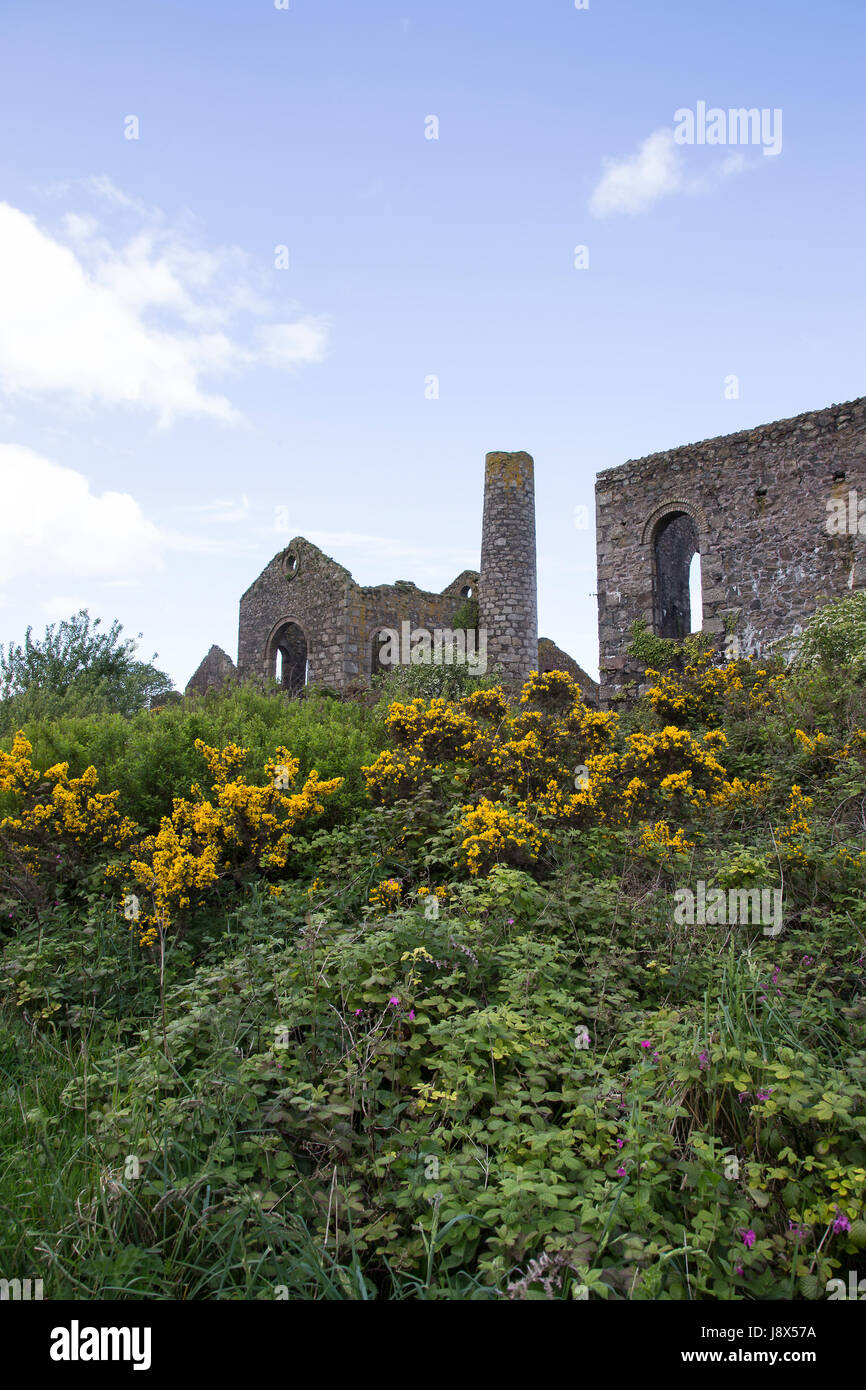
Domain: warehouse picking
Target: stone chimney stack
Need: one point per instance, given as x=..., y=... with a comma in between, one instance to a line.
x=507, y=594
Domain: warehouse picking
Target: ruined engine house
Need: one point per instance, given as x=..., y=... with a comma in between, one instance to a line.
x=305, y=619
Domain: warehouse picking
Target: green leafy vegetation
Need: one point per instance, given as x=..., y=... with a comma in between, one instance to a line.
x=461, y=1044
x=73, y=669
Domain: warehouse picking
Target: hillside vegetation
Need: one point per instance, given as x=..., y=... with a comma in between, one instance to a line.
x=323, y=999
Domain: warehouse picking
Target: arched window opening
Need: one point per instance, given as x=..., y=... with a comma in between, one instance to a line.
x=384, y=651
x=290, y=663
x=675, y=544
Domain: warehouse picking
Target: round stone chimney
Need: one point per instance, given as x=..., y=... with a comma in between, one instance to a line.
x=507, y=587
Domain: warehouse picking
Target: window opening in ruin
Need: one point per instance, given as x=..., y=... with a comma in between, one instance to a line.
x=675, y=545
x=291, y=666
x=466, y=591
x=381, y=646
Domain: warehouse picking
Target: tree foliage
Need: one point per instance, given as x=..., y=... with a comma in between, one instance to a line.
x=76, y=668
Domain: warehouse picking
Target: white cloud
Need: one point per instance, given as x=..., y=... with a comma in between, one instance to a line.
x=635, y=183
x=422, y=562
x=655, y=171
x=51, y=524
x=220, y=510
x=141, y=323
x=54, y=527
x=288, y=344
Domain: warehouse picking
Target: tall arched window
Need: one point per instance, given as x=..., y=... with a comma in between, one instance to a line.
x=675, y=545
x=289, y=657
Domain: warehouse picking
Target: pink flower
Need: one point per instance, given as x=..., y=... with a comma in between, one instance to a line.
x=646, y=1043
x=357, y=1011
x=841, y=1223
x=738, y=1269
x=412, y=1014
x=511, y=921
x=748, y=1238
x=393, y=999
x=620, y=1143
x=620, y=1172
x=702, y=1059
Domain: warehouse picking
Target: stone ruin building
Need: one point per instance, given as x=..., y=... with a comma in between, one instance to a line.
x=772, y=514
x=305, y=619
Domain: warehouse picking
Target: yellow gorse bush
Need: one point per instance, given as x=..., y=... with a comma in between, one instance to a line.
x=53, y=811
x=658, y=837
x=794, y=837
x=386, y=895
x=704, y=690
x=491, y=832
x=240, y=826
x=520, y=767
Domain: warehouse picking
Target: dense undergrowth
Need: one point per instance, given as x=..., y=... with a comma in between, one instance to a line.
x=348, y=1001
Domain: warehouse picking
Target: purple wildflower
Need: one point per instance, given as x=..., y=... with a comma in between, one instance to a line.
x=748, y=1238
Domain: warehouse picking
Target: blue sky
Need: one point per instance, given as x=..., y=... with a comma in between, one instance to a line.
x=174, y=406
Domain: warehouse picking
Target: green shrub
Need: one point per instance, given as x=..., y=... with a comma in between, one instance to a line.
x=151, y=756
x=835, y=637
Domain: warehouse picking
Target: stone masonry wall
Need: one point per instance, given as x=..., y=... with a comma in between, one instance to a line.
x=758, y=501
x=216, y=668
x=508, y=606
x=303, y=586
x=390, y=605
x=338, y=618
x=553, y=658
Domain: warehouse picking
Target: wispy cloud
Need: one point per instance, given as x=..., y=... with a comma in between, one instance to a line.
x=141, y=318
x=220, y=511
x=656, y=170
x=55, y=526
